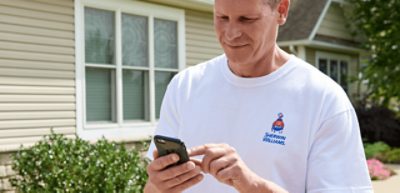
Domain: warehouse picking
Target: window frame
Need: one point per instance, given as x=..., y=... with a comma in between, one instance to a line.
x=339, y=58
x=122, y=130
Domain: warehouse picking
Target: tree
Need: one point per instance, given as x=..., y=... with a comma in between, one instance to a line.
x=379, y=22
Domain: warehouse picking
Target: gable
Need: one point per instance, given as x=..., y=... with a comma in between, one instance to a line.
x=334, y=23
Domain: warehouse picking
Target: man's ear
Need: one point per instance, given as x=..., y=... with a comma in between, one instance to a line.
x=283, y=11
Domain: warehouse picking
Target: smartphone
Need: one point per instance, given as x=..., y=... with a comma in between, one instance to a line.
x=166, y=145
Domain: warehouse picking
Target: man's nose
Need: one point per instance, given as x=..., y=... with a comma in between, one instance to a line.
x=233, y=31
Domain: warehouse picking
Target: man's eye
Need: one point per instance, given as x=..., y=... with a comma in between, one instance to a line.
x=224, y=18
x=246, y=19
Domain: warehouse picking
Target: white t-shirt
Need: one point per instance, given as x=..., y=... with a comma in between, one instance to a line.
x=294, y=126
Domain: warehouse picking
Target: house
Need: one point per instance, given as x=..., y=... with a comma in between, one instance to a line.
x=97, y=68
x=319, y=32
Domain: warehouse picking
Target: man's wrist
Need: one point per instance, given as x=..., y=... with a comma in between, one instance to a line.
x=149, y=188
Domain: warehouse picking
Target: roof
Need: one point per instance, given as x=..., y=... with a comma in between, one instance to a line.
x=302, y=19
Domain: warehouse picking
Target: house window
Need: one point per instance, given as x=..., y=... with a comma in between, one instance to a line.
x=131, y=52
x=335, y=67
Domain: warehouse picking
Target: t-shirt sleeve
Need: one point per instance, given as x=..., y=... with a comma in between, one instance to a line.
x=168, y=123
x=336, y=162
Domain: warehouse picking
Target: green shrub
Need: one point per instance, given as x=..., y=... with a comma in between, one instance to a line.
x=393, y=156
x=376, y=150
x=379, y=124
x=57, y=164
x=382, y=152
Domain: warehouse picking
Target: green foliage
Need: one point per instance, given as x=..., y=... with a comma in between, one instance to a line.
x=393, y=156
x=379, y=123
x=379, y=22
x=57, y=164
x=376, y=150
x=383, y=152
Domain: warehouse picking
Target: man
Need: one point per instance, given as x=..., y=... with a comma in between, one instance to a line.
x=258, y=119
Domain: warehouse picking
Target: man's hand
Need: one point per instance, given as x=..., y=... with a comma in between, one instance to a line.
x=174, y=179
x=224, y=163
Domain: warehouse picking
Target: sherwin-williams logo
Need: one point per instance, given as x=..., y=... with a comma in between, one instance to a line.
x=277, y=127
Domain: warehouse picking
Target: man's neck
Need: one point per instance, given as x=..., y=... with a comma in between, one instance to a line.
x=265, y=66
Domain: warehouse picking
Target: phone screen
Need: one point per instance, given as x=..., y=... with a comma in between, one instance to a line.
x=166, y=145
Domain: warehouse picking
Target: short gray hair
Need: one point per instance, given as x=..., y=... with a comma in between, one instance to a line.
x=272, y=3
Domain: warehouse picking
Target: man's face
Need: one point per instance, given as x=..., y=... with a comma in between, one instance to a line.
x=246, y=29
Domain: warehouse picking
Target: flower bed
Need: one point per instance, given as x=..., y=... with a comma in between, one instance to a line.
x=378, y=171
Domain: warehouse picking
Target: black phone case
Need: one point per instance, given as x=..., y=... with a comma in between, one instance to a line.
x=166, y=145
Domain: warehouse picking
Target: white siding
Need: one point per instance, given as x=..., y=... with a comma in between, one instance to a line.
x=201, y=5
x=201, y=42
x=37, y=72
x=334, y=23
